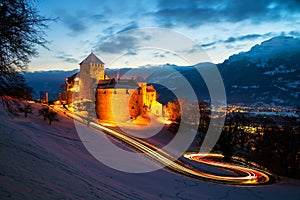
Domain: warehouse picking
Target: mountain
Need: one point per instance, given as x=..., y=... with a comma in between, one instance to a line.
x=267, y=74
x=47, y=81
x=281, y=46
x=51, y=81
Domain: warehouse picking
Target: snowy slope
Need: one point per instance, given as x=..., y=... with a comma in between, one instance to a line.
x=267, y=74
x=39, y=161
x=276, y=46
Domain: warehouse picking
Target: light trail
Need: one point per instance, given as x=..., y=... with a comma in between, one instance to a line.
x=253, y=176
x=250, y=177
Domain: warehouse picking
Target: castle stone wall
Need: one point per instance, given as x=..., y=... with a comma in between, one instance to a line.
x=118, y=105
x=89, y=76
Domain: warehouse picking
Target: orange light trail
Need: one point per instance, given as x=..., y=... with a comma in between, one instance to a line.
x=252, y=176
x=247, y=176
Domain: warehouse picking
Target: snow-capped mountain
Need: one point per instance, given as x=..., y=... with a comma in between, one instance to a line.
x=269, y=73
x=47, y=81
x=281, y=46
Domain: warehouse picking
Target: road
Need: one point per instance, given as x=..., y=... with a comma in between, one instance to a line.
x=248, y=176
x=244, y=175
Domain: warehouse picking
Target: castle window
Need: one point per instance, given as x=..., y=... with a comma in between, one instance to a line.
x=132, y=107
x=115, y=91
x=104, y=92
x=136, y=101
x=127, y=91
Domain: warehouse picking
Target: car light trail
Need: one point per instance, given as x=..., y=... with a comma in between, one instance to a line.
x=252, y=176
x=245, y=175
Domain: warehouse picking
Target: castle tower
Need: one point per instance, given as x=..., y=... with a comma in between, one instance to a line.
x=91, y=71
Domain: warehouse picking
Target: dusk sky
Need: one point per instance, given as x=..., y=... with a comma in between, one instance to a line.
x=221, y=28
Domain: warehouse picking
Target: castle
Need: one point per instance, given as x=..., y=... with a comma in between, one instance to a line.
x=116, y=100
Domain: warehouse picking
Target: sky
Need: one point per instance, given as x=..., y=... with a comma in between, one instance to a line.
x=220, y=28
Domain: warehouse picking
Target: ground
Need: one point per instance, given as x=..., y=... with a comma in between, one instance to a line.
x=39, y=161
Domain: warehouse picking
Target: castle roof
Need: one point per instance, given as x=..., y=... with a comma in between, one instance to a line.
x=113, y=83
x=70, y=79
x=150, y=88
x=110, y=83
x=91, y=59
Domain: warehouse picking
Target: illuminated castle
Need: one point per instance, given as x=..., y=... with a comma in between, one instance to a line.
x=116, y=100
x=91, y=71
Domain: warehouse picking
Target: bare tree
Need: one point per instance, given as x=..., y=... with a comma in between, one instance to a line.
x=44, y=112
x=52, y=116
x=48, y=114
x=21, y=31
x=25, y=108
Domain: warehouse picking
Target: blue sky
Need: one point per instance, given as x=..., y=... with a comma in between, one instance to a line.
x=221, y=28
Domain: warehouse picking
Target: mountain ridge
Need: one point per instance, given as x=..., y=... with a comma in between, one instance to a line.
x=266, y=74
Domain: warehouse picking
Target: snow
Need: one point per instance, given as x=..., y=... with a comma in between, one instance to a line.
x=280, y=70
x=295, y=94
x=261, y=53
x=295, y=84
x=245, y=86
x=269, y=113
x=39, y=161
x=281, y=88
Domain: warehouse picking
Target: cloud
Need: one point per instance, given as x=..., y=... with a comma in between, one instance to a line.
x=230, y=39
x=66, y=57
x=115, y=29
x=74, y=22
x=114, y=40
x=158, y=55
x=76, y=26
x=208, y=44
x=117, y=45
x=98, y=18
x=80, y=21
x=169, y=13
x=130, y=26
x=246, y=37
x=230, y=46
x=196, y=13
x=294, y=33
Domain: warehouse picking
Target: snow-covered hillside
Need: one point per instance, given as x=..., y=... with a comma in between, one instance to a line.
x=39, y=161
x=276, y=46
x=267, y=74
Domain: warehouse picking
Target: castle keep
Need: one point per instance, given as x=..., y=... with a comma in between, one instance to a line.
x=91, y=71
x=116, y=100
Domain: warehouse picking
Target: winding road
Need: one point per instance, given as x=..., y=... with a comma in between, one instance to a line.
x=243, y=175
x=247, y=176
